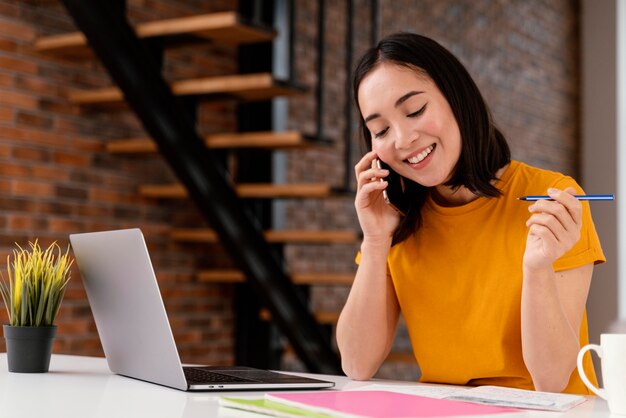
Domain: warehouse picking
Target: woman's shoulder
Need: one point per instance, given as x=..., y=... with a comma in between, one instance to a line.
x=525, y=175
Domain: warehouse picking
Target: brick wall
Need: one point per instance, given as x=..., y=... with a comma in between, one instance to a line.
x=56, y=178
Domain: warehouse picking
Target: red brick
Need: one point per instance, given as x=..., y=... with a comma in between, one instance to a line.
x=34, y=136
x=58, y=106
x=33, y=120
x=32, y=154
x=70, y=125
x=6, y=114
x=42, y=88
x=5, y=186
x=11, y=169
x=17, y=30
x=100, y=195
x=6, y=80
x=8, y=45
x=24, y=101
x=29, y=222
x=55, y=208
x=71, y=159
x=17, y=65
x=5, y=149
x=92, y=211
x=50, y=173
x=31, y=188
x=75, y=193
x=64, y=225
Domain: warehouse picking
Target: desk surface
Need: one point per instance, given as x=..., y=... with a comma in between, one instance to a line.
x=84, y=387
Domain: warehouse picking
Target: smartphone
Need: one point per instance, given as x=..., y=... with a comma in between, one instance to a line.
x=395, y=193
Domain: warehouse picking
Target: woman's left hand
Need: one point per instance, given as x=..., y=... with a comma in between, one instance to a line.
x=554, y=228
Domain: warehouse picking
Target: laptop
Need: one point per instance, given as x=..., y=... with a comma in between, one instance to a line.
x=133, y=326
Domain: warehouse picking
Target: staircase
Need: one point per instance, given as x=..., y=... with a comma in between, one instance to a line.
x=253, y=90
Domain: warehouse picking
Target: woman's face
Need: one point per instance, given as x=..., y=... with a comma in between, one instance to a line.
x=412, y=125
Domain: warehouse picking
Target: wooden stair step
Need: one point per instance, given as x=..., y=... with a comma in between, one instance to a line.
x=264, y=139
x=73, y=44
x=259, y=86
x=237, y=276
x=223, y=27
x=273, y=236
x=323, y=317
x=250, y=190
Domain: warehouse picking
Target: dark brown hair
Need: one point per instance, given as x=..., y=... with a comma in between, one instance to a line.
x=484, y=149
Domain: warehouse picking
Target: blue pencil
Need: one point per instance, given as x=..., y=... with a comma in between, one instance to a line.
x=577, y=196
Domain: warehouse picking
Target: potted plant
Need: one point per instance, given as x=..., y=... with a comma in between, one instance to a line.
x=32, y=297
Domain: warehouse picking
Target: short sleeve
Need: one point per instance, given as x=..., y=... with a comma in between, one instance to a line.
x=587, y=249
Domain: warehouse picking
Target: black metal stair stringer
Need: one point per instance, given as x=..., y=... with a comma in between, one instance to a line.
x=147, y=93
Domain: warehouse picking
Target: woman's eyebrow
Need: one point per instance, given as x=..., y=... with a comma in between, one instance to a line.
x=401, y=100
x=406, y=97
x=371, y=117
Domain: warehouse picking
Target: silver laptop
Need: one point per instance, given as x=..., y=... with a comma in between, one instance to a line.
x=132, y=323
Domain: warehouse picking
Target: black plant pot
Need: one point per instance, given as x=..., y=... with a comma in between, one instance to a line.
x=29, y=348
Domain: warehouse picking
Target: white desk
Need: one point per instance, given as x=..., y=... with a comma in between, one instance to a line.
x=84, y=387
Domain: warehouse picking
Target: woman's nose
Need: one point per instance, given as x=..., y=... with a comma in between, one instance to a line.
x=405, y=137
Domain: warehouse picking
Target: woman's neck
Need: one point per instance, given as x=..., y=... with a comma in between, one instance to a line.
x=458, y=196
x=452, y=196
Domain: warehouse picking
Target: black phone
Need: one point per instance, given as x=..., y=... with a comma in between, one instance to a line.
x=395, y=194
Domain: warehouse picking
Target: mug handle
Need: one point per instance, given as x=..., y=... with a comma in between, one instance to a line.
x=581, y=371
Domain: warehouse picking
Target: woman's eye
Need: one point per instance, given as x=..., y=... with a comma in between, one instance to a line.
x=419, y=112
x=380, y=134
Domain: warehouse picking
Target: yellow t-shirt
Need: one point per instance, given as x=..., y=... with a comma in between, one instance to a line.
x=458, y=280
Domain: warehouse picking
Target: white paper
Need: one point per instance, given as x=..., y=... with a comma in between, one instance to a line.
x=488, y=395
x=438, y=391
x=519, y=398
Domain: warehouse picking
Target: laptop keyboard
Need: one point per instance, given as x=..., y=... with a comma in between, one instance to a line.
x=194, y=375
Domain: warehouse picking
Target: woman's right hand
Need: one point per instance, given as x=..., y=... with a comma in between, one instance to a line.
x=378, y=220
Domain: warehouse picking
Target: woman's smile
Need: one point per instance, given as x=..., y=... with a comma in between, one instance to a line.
x=421, y=158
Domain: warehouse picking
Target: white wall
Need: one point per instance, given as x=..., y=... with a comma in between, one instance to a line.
x=599, y=154
x=621, y=153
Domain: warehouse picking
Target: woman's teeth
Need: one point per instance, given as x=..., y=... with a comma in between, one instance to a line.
x=419, y=157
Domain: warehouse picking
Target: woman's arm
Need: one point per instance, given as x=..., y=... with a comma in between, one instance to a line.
x=552, y=303
x=368, y=321
x=552, y=311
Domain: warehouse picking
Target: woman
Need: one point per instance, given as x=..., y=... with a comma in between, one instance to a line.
x=492, y=289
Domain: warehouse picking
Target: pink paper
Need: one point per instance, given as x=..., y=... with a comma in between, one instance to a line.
x=381, y=404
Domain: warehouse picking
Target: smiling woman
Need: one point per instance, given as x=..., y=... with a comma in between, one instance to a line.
x=493, y=291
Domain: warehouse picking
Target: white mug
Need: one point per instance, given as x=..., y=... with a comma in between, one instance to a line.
x=612, y=353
